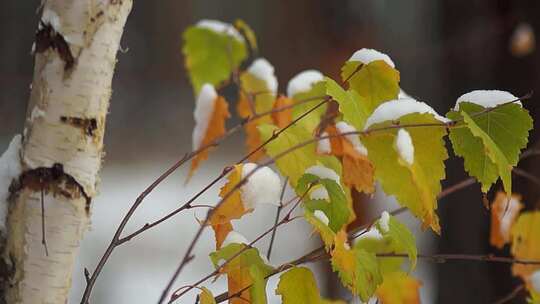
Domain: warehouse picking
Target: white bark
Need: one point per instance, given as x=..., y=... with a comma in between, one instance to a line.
x=76, y=48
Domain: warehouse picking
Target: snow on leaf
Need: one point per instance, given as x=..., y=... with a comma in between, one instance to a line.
x=212, y=50
x=394, y=109
x=206, y=296
x=399, y=288
x=487, y=98
x=335, y=208
x=404, y=146
x=351, y=105
x=526, y=243
x=422, y=177
x=490, y=143
x=535, y=281
x=323, y=145
x=376, y=82
x=308, y=85
x=262, y=187
x=283, y=117
x=504, y=212
x=10, y=168
x=298, y=286
x=257, y=95
x=366, y=56
x=210, y=114
x=360, y=171
x=357, y=268
x=248, y=268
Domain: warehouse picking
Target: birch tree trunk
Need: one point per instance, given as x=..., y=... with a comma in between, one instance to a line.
x=75, y=54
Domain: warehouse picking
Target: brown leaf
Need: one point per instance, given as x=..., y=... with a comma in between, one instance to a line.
x=504, y=213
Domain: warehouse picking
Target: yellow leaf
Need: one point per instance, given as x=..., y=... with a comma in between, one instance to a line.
x=230, y=209
x=504, y=212
x=283, y=117
x=399, y=288
x=206, y=296
x=526, y=243
x=215, y=130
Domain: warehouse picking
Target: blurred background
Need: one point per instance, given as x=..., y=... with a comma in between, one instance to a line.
x=442, y=49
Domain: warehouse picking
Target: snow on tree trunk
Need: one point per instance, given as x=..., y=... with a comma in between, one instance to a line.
x=75, y=54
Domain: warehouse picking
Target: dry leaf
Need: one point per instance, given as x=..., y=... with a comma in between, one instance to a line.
x=504, y=213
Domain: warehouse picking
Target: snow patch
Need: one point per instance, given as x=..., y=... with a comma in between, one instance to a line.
x=10, y=168
x=344, y=127
x=486, y=98
x=234, y=237
x=323, y=145
x=319, y=193
x=394, y=109
x=51, y=18
x=535, y=281
x=323, y=172
x=263, y=70
x=204, y=108
x=36, y=113
x=366, y=56
x=383, y=222
x=303, y=82
x=220, y=28
x=404, y=146
x=263, y=187
x=372, y=233
x=321, y=217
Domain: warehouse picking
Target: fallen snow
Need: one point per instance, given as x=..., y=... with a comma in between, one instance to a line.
x=487, y=98
x=321, y=217
x=263, y=187
x=394, y=109
x=344, y=127
x=404, y=146
x=323, y=172
x=319, y=193
x=323, y=145
x=535, y=281
x=51, y=18
x=263, y=70
x=204, y=108
x=10, y=168
x=383, y=222
x=366, y=56
x=220, y=28
x=303, y=82
x=508, y=216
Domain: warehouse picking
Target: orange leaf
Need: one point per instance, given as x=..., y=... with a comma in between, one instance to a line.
x=359, y=170
x=215, y=130
x=230, y=209
x=399, y=288
x=253, y=138
x=282, y=118
x=504, y=213
x=526, y=243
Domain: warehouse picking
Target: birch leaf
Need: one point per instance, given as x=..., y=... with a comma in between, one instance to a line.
x=316, y=93
x=248, y=268
x=248, y=32
x=282, y=118
x=526, y=243
x=376, y=82
x=210, y=55
x=504, y=212
x=399, y=288
x=206, y=296
x=298, y=286
x=490, y=143
x=422, y=177
x=351, y=105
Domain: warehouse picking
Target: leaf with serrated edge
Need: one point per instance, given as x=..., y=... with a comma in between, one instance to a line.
x=351, y=105
x=423, y=177
x=311, y=120
x=298, y=286
x=399, y=288
x=526, y=243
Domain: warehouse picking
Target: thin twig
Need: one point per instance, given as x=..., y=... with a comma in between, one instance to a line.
x=278, y=212
x=513, y=294
x=443, y=258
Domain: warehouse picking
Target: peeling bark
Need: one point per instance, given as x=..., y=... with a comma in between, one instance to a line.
x=75, y=54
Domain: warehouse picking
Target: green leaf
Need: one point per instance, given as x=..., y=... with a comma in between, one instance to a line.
x=248, y=268
x=298, y=286
x=351, y=105
x=490, y=142
x=402, y=239
x=206, y=296
x=211, y=57
x=264, y=98
x=357, y=268
x=415, y=186
x=376, y=82
x=336, y=209
x=248, y=32
x=312, y=120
